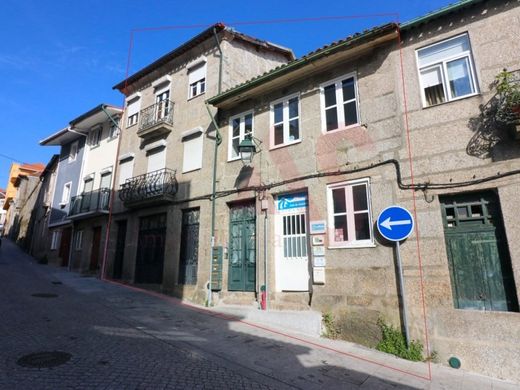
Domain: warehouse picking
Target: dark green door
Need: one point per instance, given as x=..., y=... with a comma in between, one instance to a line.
x=242, y=248
x=480, y=267
x=189, y=246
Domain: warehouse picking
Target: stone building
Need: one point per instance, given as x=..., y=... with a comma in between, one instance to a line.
x=165, y=161
x=402, y=115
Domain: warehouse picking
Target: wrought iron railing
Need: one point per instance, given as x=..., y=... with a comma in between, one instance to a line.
x=508, y=109
x=92, y=201
x=160, y=112
x=149, y=186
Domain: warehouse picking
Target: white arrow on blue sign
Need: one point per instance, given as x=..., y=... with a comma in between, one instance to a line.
x=395, y=223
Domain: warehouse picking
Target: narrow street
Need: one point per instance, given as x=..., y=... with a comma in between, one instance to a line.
x=114, y=337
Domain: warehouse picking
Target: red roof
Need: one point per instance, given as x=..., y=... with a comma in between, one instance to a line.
x=36, y=167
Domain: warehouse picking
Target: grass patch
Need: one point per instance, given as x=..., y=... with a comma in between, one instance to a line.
x=332, y=330
x=394, y=342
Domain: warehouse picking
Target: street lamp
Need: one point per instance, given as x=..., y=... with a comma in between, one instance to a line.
x=247, y=149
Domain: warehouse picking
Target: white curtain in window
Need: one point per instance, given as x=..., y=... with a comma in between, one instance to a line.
x=198, y=72
x=431, y=77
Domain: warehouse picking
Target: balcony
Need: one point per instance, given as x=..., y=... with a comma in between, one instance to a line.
x=90, y=204
x=156, y=119
x=149, y=189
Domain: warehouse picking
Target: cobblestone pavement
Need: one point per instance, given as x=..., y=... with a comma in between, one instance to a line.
x=119, y=338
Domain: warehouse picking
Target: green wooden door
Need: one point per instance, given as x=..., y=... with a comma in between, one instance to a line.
x=242, y=248
x=480, y=267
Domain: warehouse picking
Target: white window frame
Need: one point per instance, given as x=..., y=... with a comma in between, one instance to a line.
x=113, y=131
x=78, y=240
x=442, y=65
x=64, y=201
x=285, y=121
x=73, y=146
x=95, y=136
x=350, y=219
x=55, y=239
x=340, y=112
x=200, y=84
x=241, y=135
x=132, y=120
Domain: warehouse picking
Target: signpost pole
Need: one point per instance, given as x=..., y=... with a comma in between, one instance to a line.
x=401, y=289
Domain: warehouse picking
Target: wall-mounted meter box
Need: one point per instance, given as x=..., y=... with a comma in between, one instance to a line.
x=216, y=268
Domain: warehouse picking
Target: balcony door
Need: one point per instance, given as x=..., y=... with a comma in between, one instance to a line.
x=163, y=104
x=87, y=194
x=156, y=159
x=104, y=190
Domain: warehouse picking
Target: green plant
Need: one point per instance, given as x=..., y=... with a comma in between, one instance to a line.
x=508, y=90
x=394, y=342
x=332, y=330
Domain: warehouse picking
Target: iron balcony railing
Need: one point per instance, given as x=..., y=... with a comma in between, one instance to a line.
x=153, y=185
x=160, y=112
x=93, y=201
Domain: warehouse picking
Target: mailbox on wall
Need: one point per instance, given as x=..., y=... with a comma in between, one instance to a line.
x=216, y=268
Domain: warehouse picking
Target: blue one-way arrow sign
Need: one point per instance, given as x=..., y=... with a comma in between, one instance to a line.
x=395, y=223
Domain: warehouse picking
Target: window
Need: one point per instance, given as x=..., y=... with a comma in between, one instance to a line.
x=162, y=98
x=65, y=196
x=126, y=167
x=446, y=71
x=197, y=80
x=192, y=141
x=350, y=220
x=113, y=132
x=285, y=121
x=78, y=240
x=156, y=159
x=339, y=104
x=55, y=239
x=73, y=152
x=95, y=136
x=239, y=126
x=132, y=108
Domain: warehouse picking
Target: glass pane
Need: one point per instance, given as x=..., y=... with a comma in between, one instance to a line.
x=443, y=50
x=293, y=108
x=362, y=226
x=202, y=85
x=458, y=77
x=236, y=127
x=359, y=195
x=302, y=217
x=331, y=117
x=234, y=152
x=338, y=200
x=278, y=134
x=340, y=228
x=294, y=130
x=348, y=89
x=431, y=80
x=330, y=95
x=278, y=113
x=350, y=113
x=248, y=123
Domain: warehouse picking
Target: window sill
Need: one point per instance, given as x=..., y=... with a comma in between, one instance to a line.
x=325, y=132
x=286, y=145
x=353, y=246
x=192, y=170
x=196, y=96
x=452, y=100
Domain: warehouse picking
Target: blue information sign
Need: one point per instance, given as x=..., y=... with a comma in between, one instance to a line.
x=292, y=201
x=395, y=223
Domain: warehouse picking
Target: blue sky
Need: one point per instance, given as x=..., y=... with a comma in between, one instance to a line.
x=60, y=58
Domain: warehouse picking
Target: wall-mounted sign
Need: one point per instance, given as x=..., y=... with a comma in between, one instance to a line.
x=291, y=201
x=318, y=275
x=318, y=251
x=319, y=261
x=318, y=240
x=318, y=227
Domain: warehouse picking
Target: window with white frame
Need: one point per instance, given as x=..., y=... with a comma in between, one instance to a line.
x=78, y=240
x=192, y=141
x=114, y=128
x=446, y=71
x=239, y=126
x=65, y=195
x=73, y=152
x=55, y=239
x=339, y=103
x=126, y=167
x=132, y=110
x=95, y=136
x=162, y=98
x=350, y=221
x=197, y=79
x=285, y=121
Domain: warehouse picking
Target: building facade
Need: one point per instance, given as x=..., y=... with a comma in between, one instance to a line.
x=400, y=115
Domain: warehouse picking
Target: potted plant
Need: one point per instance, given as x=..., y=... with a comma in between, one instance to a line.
x=508, y=89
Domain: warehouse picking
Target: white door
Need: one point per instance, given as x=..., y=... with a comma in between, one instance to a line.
x=156, y=159
x=292, y=258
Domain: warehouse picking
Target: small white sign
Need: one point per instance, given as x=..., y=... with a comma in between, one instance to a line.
x=319, y=261
x=318, y=227
x=318, y=251
x=318, y=275
x=318, y=240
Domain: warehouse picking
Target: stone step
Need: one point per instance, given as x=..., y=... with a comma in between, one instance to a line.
x=237, y=298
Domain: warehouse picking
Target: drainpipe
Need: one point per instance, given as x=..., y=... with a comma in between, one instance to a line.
x=218, y=141
x=265, y=261
x=112, y=194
